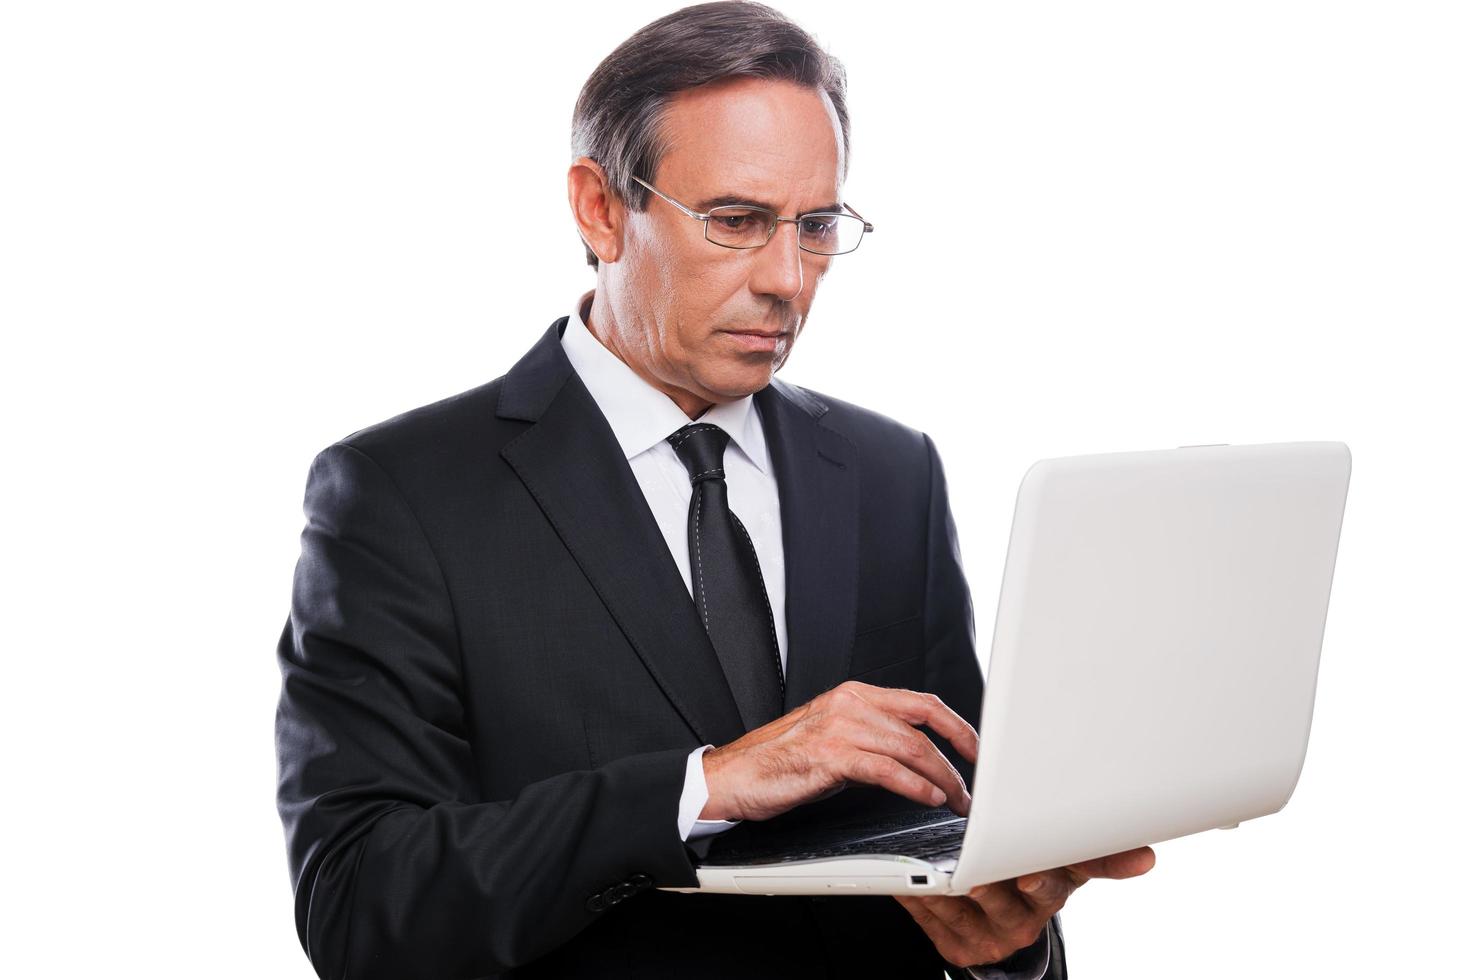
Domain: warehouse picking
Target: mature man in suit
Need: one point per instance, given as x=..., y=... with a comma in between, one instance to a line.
x=551, y=634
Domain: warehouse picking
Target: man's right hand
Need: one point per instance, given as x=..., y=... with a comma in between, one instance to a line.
x=853, y=733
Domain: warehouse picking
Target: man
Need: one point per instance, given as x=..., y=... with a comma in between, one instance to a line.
x=551, y=634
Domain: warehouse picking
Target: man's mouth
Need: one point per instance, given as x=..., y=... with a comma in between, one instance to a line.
x=758, y=340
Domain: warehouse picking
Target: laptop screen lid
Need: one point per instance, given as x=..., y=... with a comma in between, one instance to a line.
x=1154, y=661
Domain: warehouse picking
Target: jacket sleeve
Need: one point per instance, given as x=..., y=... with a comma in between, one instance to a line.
x=952, y=672
x=1045, y=959
x=399, y=867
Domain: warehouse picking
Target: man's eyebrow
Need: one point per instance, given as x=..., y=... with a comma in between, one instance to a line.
x=725, y=200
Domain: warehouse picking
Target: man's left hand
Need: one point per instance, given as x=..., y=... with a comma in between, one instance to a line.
x=995, y=920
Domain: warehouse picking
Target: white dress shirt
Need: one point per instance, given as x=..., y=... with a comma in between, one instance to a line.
x=642, y=418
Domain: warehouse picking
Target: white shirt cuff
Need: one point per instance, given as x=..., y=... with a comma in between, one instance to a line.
x=691, y=803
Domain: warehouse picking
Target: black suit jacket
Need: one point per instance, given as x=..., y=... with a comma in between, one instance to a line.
x=493, y=674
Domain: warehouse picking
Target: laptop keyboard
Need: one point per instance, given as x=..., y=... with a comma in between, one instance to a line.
x=930, y=835
x=927, y=843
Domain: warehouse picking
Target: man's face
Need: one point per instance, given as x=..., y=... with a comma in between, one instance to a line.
x=719, y=322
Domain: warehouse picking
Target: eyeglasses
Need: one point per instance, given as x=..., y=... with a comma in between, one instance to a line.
x=747, y=226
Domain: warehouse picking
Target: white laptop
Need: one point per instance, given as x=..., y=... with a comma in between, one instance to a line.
x=1152, y=675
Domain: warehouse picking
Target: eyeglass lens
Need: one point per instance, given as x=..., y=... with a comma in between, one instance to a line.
x=741, y=227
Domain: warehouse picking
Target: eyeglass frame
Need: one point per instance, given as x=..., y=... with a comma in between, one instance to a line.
x=774, y=225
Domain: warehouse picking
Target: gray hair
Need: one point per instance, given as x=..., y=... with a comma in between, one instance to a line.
x=620, y=110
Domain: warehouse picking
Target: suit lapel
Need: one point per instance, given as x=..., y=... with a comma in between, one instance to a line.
x=570, y=462
x=816, y=473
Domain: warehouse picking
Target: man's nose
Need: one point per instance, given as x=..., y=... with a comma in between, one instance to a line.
x=778, y=264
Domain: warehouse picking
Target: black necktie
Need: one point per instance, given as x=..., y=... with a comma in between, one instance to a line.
x=728, y=589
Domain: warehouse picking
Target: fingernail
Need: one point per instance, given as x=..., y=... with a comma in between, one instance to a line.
x=937, y=796
x=1032, y=886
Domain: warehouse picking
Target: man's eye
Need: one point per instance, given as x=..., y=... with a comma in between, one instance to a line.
x=736, y=219
x=818, y=227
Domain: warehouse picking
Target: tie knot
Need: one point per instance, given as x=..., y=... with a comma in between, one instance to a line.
x=701, y=448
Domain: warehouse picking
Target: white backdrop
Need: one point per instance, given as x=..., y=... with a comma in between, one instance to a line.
x=233, y=233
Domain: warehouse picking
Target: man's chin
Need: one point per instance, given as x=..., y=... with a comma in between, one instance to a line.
x=746, y=379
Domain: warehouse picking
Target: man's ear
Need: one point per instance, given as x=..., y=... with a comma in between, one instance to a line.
x=598, y=211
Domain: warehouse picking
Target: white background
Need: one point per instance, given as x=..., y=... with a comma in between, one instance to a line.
x=233, y=233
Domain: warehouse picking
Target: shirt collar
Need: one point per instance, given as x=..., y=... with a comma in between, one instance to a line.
x=640, y=415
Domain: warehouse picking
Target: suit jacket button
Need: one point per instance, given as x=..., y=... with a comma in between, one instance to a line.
x=619, y=892
x=597, y=902
x=640, y=881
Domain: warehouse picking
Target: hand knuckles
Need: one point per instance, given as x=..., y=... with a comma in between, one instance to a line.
x=909, y=746
x=989, y=951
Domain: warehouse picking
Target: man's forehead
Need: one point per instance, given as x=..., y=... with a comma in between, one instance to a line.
x=753, y=137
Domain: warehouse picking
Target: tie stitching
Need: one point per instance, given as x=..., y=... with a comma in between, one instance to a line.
x=699, y=558
x=682, y=436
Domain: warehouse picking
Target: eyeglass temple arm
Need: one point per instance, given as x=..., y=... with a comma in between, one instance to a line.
x=866, y=225
x=688, y=211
